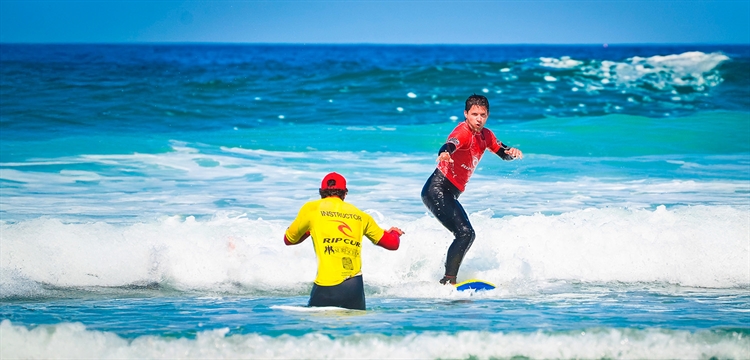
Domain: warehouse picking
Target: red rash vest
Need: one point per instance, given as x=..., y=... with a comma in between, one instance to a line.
x=470, y=147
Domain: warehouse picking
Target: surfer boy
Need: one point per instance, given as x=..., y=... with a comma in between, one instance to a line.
x=457, y=159
x=337, y=228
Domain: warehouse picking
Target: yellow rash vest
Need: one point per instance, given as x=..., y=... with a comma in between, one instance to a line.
x=337, y=229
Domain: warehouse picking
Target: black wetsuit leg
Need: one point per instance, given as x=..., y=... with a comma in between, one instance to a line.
x=441, y=198
x=350, y=294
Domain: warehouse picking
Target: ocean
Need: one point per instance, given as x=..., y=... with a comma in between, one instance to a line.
x=145, y=190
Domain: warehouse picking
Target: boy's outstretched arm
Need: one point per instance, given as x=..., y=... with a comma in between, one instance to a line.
x=509, y=153
x=444, y=154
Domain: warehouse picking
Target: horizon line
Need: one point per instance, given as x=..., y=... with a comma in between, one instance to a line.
x=360, y=43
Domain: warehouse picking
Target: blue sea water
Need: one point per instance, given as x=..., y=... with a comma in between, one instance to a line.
x=144, y=191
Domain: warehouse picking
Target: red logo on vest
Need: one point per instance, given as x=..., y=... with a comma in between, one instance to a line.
x=343, y=227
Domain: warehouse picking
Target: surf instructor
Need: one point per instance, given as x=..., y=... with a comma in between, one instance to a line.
x=457, y=159
x=337, y=228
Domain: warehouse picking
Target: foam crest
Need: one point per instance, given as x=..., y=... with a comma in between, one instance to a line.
x=564, y=62
x=695, y=70
x=75, y=341
x=692, y=69
x=688, y=246
x=693, y=62
x=704, y=246
x=179, y=252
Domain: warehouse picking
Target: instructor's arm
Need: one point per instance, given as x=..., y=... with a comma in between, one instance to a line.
x=391, y=239
x=299, y=230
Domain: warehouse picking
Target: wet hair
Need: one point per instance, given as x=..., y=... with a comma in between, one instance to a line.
x=324, y=193
x=477, y=100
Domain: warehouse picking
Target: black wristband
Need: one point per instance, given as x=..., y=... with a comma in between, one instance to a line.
x=501, y=152
x=449, y=147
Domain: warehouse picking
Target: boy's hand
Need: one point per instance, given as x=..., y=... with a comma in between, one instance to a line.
x=515, y=153
x=444, y=156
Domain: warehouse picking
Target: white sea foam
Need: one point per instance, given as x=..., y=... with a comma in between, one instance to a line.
x=693, y=69
x=273, y=184
x=704, y=246
x=564, y=62
x=316, y=309
x=73, y=340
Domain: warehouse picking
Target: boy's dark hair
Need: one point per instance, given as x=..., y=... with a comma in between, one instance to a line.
x=324, y=193
x=477, y=100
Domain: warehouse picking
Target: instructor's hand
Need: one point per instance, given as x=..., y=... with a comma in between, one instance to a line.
x=515, y=153
x=397, y=230
x=444, y=156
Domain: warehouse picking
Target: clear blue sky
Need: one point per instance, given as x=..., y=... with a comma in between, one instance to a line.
x=383, y=22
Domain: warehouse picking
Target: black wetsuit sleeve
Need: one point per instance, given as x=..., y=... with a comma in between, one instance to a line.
x=449, y=147
x=501, y=153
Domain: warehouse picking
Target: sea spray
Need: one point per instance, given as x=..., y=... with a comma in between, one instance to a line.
x=704, y=246
x=75, y=341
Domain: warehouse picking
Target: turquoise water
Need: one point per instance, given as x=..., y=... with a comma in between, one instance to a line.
x=144, y=191
x=627, y=323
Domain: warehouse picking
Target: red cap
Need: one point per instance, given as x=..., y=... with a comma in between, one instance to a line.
x=333, y=181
